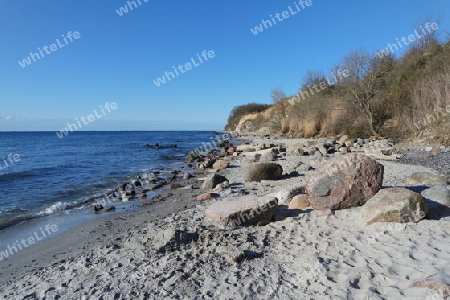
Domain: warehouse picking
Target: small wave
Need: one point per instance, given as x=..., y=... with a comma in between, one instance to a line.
x=57, y=207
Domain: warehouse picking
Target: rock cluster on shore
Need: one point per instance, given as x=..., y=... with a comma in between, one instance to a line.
x=343, y=179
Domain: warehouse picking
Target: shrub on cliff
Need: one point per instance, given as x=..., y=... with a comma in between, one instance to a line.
x=239, y=111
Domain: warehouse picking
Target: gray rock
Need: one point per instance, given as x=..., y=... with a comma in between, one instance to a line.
x=318, y=154
x=309, y=143
x=245, y=211
x=213, y=181
x=323, y=149
x=286, y=194
x=438, y=199
x=388, y=151
x=304, y=168
x=295, y=150
x=222, y=186
x=268, y=157
x=263, y=171
x=397, y=205
x=343, y=149
x=220, y=164
x=257, y=157
x=424, y=178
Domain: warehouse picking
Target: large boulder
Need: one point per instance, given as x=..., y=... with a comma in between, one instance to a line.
x=263, y=171
x=424, y=178
x=344, y=182
x=245, y=211
x=397, y=205
x=213, y=181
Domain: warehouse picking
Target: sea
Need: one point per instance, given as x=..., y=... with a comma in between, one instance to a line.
x=44, y=176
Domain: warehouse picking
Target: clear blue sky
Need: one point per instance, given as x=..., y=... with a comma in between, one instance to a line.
x=117, y=57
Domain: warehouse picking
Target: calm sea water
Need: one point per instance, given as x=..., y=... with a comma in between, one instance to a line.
x=55, y=175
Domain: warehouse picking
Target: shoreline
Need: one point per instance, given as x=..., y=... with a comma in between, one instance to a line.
x=81, y=221
x=141, y=242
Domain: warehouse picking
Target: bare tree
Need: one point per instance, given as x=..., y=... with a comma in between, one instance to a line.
x=313, y=78
x=368, y=74
x=277, y=94
x=429, y=36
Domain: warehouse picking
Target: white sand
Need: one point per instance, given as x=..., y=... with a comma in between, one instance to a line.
x=309, y=255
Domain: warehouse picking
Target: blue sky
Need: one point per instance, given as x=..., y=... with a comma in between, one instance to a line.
x=117, y=58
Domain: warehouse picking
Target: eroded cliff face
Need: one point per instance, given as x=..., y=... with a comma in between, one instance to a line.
x=249, y=123
x=262, y=122
x=292, y=119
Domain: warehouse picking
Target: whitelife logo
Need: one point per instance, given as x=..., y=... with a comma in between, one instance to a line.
x=338, y=76
x=53, y=47
x=187, y=67
x=391, y=48
x=12, y=159
x=90, y=118
x=266, y=24
x=20, y=245
x=124, y=9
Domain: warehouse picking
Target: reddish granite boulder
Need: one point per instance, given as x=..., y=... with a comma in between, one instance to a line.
x=345, y=181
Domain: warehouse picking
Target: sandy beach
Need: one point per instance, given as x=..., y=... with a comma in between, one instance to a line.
x=169, y=249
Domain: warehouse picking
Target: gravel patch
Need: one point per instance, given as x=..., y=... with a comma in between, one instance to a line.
x=439, y=162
